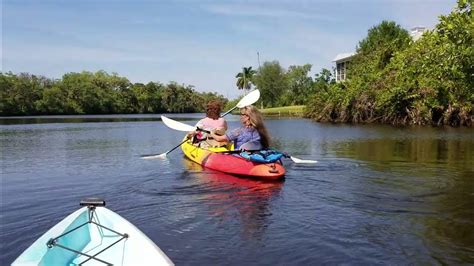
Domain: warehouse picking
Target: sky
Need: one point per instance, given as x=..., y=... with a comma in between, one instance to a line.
x=202, y=43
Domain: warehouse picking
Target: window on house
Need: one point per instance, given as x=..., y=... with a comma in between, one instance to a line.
x=341, y=71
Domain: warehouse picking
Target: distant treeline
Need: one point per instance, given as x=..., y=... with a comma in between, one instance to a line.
x=103, y=93
x=95, y=93
x=393, y=79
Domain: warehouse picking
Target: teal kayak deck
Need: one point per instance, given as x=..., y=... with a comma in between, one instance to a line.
x=110, y=239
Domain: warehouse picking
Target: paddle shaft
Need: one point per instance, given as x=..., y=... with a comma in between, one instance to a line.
x=292, y=158
x=177, y=146
x=229, y=111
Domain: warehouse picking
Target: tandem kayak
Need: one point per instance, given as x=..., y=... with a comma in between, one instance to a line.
x=93, y=235
x=224, y=160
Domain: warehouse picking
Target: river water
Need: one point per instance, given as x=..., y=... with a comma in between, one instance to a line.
x=378, y=194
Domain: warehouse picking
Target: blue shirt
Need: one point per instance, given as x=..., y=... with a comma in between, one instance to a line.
x=243, y=135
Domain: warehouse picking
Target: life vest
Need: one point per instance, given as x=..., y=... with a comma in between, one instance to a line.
x=263, y=156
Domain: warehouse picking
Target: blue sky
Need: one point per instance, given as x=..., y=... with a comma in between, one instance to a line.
x=201, y=43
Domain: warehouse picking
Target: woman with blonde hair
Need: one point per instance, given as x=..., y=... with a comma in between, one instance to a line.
x=252, y=135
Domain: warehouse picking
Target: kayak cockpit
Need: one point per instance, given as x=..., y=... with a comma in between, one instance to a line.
x=83, y=239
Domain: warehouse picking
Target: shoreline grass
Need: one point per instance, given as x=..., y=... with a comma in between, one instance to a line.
x=287, y=111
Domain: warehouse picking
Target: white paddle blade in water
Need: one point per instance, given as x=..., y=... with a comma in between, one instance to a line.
x=177, y=125
x=156, y=156
x=296, y=160
x=249, y=99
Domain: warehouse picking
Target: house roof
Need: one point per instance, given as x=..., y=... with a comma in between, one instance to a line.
x=343, y=57
x=417, y=32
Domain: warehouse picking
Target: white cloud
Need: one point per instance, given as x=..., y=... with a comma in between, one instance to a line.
x=267, y=11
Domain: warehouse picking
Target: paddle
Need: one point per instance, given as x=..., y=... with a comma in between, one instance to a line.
x=180, y=126
x=162, y=155
x=176, y=125
x=294, y=159
x=248, y=99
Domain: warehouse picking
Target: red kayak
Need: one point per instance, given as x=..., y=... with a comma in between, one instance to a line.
x=222, y=159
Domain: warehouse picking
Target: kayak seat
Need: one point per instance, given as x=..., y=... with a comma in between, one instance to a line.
x=92, y=202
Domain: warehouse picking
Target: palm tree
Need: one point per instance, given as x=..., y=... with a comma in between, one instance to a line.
x=244, y=78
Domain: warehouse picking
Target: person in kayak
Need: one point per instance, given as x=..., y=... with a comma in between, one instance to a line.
x=252, y=135
x=212, y=121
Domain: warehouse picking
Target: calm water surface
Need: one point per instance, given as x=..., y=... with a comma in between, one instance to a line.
x=379, y=194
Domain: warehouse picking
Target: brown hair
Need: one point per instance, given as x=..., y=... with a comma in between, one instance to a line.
x=256, y=121
x=213, y=109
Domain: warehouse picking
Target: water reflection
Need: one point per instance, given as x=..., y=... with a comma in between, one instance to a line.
x=231, y=197
x=457, y=153
x=430, y=181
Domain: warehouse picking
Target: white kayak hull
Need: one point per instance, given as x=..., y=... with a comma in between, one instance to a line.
x=132, y=247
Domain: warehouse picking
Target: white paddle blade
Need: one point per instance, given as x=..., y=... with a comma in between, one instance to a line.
x=177, y=125
x=249, y=99
x=296, y=160
x=158, y=156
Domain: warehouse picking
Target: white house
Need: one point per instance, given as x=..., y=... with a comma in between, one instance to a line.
x=416, y=32
x=342, y=60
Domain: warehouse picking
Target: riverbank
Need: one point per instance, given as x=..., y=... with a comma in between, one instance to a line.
x=286, y=111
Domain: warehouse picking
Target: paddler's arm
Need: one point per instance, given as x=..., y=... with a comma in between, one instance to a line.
x=218, y=137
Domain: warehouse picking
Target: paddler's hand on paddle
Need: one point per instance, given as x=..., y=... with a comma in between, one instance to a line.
x=190, y=134
x=218, y=137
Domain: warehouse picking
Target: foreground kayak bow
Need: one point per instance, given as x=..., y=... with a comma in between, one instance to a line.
x=93, y=235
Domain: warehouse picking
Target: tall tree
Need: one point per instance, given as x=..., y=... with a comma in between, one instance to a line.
x=382, y=42
x=245, y=78
x=300, y=85
x=368, y=76
x=272, y=82
x=322, y=80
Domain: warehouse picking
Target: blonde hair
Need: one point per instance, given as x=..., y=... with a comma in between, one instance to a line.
x=256, y=121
